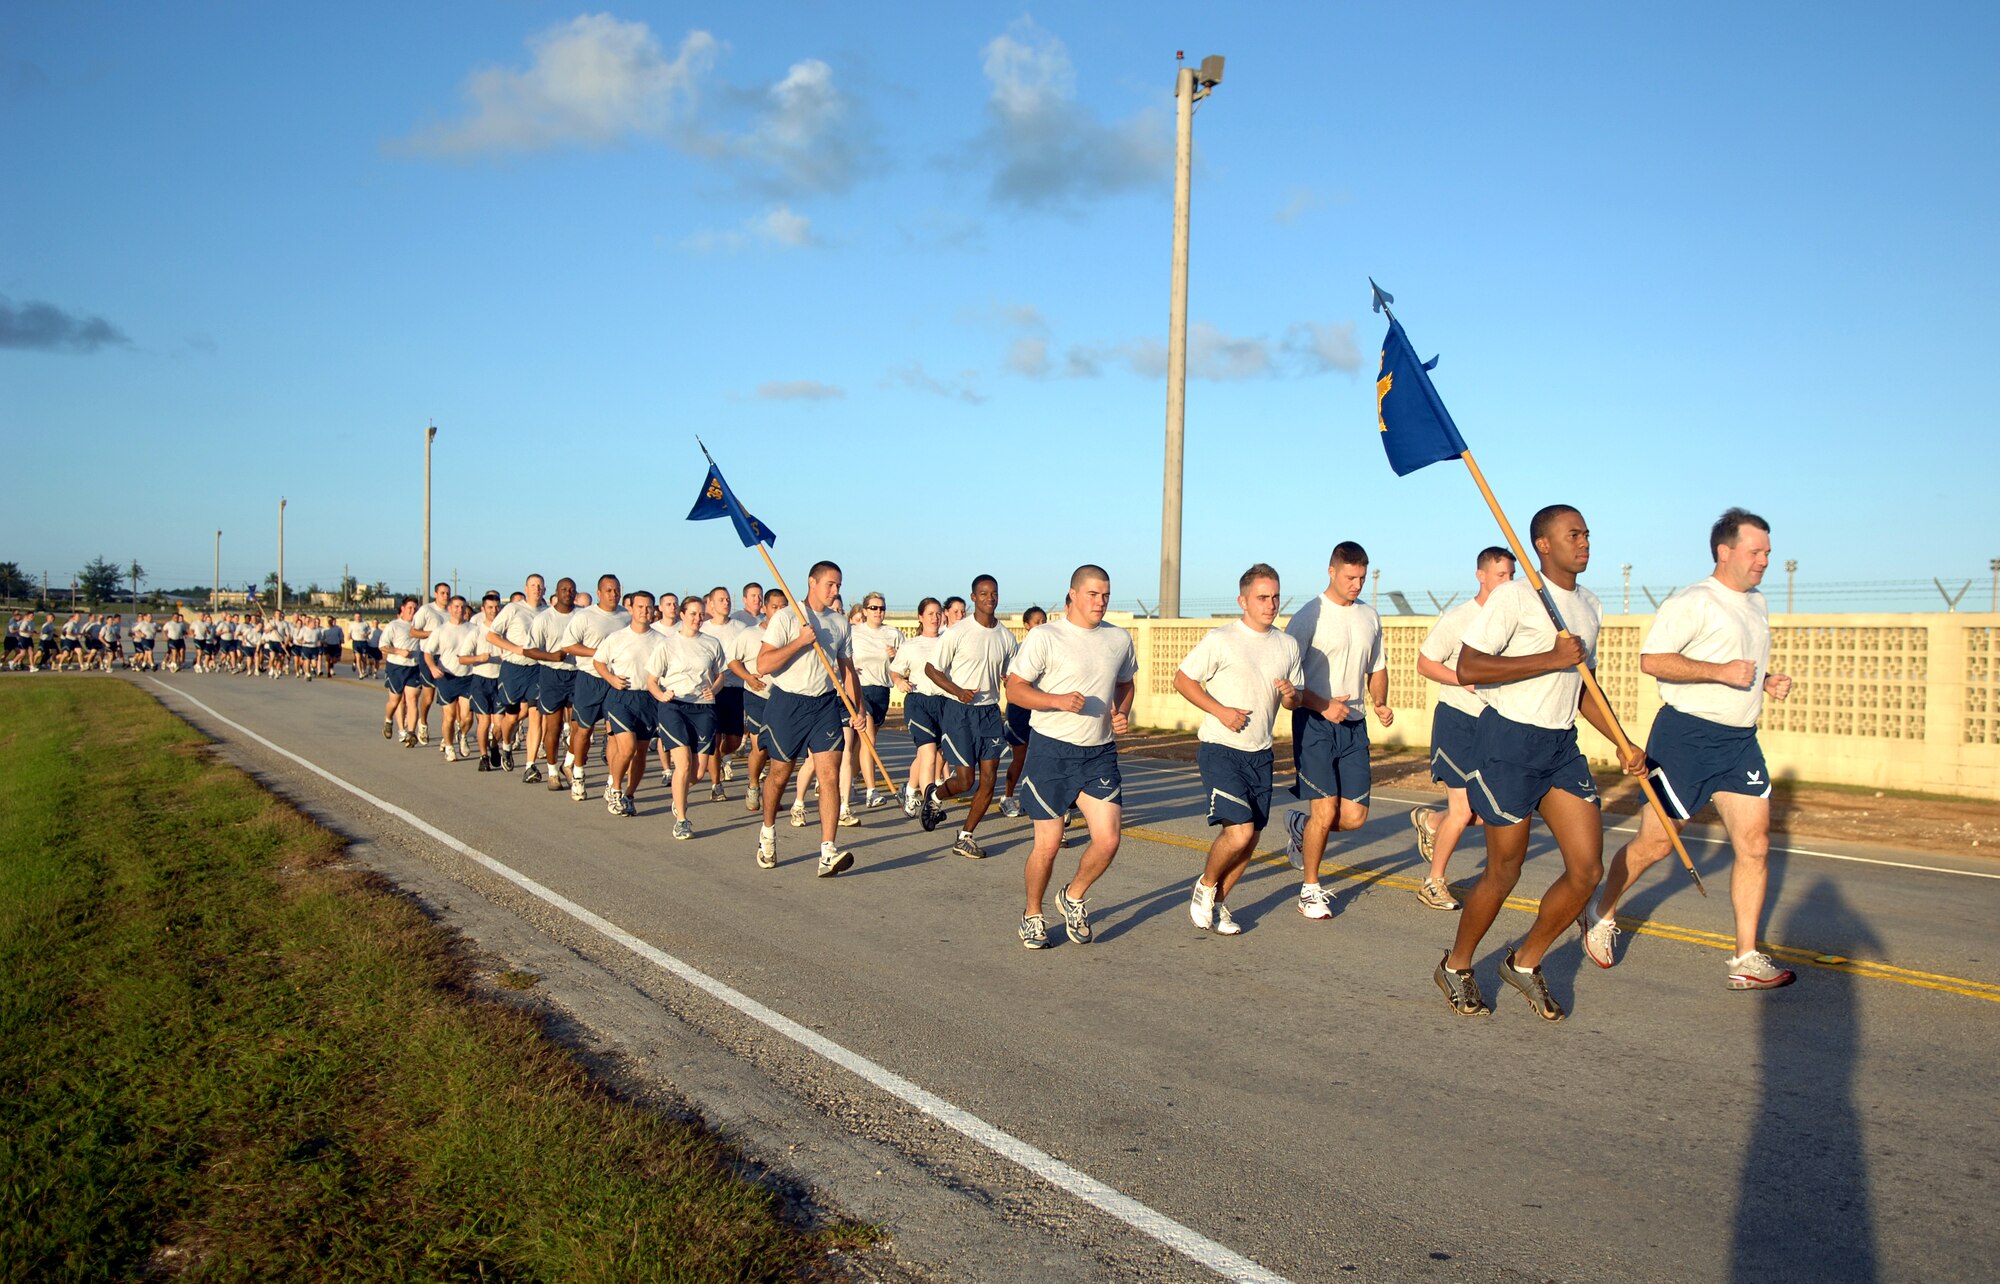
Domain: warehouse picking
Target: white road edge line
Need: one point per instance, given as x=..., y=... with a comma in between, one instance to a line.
x=1184, y=1240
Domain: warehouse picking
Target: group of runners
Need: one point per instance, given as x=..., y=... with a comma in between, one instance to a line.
x=280, y=645
x=802, y=694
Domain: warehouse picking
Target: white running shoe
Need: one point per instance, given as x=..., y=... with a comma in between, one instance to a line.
x=1201, y=908
x=614, y=802
x=1225, y=925
x=450, y=754
x=767, y=850
x=423, y=733
x=1756, y=971
x=847, y=817
x=1600, y=939
x=1312, y=903
x=728, y=768
x=799, y=814
x=1010, y=806
x=832, y=860
x=909, y=800
x=577, y=791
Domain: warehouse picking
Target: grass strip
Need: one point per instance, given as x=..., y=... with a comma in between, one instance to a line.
x=222, y=1055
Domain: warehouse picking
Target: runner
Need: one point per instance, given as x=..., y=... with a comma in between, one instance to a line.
x=683, y=673
x=743, y=664
x=1340, y=645
x=431, y=616
x=225, y=643
x=589, y=626
x=331, y=639
x=482, y=687
x=1525, y=760
x=1239, y=675
x=142, y=643
x=554, y=685
x=1458, y=709
x=305, y=644
x=804, y=714
x=970, y=668
x=399, y=714
x=923, y=704
x=441, y=652
x=753, y=614
x=1710, y=651
x=954, y=611
x=175, y=630
x=620, y=661
x=724, y=627
x=513, y=635
x=1074, y=674
x=875, y=647
x=1018, y=728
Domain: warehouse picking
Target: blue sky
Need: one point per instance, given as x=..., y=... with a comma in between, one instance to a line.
x=905, y=269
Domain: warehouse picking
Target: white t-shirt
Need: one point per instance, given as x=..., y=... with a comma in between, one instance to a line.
x=175, y=629
x=725, y=635
x=911, y=658
x=589, y=626
x=397, y=634
x=477, y=642
x=516, y=623
x=1240, y=667
x=454, y=640
x=976, y=658
x=430, y=618
x=1442, y=644
x=873, y=645
x=626, y=654
x=1339, y=646
x=804, y=675
x=1513, y=623
x=225, y=630
x=686, y=666
x=749, y=619
x=1060, y=658
x=550, y=626
x=305, y=636
x=744, y=648
x=1713, y=623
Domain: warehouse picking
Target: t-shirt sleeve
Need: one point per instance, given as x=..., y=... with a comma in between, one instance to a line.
x=783, y=628
x=1675, y=625
x=1491, y=629
x=1296, y=674
x=1202, y=662
x=1128, y=664
x=1032, y=661
x=1438, y=642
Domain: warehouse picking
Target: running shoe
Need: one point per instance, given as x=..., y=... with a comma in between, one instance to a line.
x=1075, y=916
x=1436, y=894
x=1034, y=932
x=847, y=816
x=1010, y=806
x=555, y=778
x=751, y=802
x=1313, y=904
x=1295, y=829
x=729, y=768
x=716, y=795
x=533, y=775
x=1426, y=833
x=1533, y=988
x=799, y=814
x=931, y=810
x=1225, y=925
x=484, y=765
x=909, y=801
x=409, y=740
x=1600, y=941
x=423, y=733
x=968, y=847
x=832, y=860
x=875, y=800
x=767, y=850
x=1201, y=908
x=507, y=761
x=388, y=729
x=683, y=829
x=577, y=790
x=612, y=802
x=1756, y=971
x=1461, y=990
x=450, y=754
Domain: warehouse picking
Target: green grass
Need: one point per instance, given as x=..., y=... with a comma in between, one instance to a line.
x=222, y=1056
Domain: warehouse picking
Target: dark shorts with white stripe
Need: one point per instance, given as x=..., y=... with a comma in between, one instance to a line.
x=1238, y=784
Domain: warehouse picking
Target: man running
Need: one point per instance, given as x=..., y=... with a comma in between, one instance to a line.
x=431, y=616
x=875, y=646
x=743, y=651
x=724, y=627
x=1525, y=760
x=1018, y=729
x=683, y=674
x=449, y=673
x=1074, y=674
x=923, y=703
x=803, y=716
x=753, y=614
x=970, y=668
x=1239, y=675
x=554, y=685
x=1458, y=709
x=399, y=713
x=513, y=635
x=1710, y=651
x=1340, y=644
x=588, y=627
x=620, y=661
x=482, y=688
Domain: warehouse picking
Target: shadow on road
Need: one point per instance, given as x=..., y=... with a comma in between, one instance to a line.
x=1803, y=1208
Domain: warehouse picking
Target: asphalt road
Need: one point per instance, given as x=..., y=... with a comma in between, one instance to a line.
x=1299, y=1095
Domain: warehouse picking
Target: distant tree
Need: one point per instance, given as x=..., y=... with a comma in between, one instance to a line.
x=381, y=589
x=135, y=573
x=12, y=583
x=98, y=580
x=350, y=590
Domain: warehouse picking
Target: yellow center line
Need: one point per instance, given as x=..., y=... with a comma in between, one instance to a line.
x=1665, y=931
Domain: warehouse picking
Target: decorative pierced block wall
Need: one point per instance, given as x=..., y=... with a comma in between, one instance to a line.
x=1400, y=643
x=1865, y=681
x=1618, y=670
x=1171, y=644
x=1982, y=687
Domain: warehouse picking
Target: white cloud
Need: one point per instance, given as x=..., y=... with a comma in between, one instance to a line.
x=914, y=377
x=1308, y=348
x=1053, y=151
x=1320, y=348
x=780, y=226
x=799, y=390
x=1298, y=202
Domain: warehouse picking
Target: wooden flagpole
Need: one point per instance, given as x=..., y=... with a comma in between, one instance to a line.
x=1596, y=692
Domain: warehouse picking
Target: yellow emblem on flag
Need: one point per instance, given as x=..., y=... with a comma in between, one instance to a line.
x=1382, y=387
x=714, y=488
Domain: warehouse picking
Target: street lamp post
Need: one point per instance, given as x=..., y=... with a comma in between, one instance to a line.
x=1627, y=609
x=215, y=593
x=281, y=555
x=430, y=435
x=1190, y=86
x=1791, y=568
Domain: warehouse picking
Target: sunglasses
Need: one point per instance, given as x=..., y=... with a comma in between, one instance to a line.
x=874, y=606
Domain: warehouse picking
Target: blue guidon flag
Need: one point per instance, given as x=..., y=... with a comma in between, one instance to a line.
x=1416, y=428
x=717, y=500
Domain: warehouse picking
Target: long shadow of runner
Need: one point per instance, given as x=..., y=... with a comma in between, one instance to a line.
x=1803, y=1210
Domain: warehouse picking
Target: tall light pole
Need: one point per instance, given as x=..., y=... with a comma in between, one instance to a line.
x=1791, y=568
x=281, y=555
x=1627, y=608
x=215, y=594
x=1994, y=566
x=1190, y=86
x=424, y=590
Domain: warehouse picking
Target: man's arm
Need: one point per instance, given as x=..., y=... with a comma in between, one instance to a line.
x=1476, y=668
x=1633, y=759
x=1429, y=668
x=952, y=689
x=1197, y=695
x=1121, y=707
x=1669, y=666
x=1378, y=695
x=1028, y=696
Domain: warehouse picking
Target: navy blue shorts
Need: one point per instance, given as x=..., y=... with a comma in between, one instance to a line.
x=553, y=688
x=923, y=715
x=754, y=711
x=331, y=650
x=1238, y=784
x=795, y=725
x=630, y=712
x=420, y=675
x=452, y=687
x=1692, y=759
x=519, y=683
x=1331, y=758
x=876, y=701
x=972, y=733
x=397, y=677
x=484, y=693
x=729, y=711
x=587, y=698
x=1515, y=764
x=683, y=724
x=1017, y=724
x=1058, y=772
x=1451, y=745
